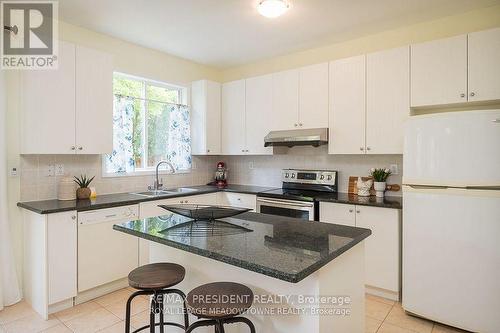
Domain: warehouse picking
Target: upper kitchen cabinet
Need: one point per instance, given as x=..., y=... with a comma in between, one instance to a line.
x=47, y=103
x=205, y=118
x=456, y=70
x=387, y=100
x=233, y=134
x=94, y=101
x=484, y=65
x=347, y=106
x=313, y=96
x=439, y=72
x=76, y=98
x=258, y=101
x=285, y=113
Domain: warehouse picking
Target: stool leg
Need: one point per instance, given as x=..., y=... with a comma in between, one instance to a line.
x=183, y=296
x=152, y=315
x=241, y=320
x=160, y=310
x=200, y=323
x=219, y=327
x=127, y=310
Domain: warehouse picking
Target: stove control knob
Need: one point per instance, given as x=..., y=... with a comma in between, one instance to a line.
x=329, y=177
x=287, y=175
x=293, y=175
x=322, y=177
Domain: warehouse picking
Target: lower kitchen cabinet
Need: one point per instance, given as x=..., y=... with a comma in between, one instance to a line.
x=241, y=200
x=50, y=261
x=382, y=247
x=151, y=209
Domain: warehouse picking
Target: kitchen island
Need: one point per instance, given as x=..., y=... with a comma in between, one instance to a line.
x=307, y=276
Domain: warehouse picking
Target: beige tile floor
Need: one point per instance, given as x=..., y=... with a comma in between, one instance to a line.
x=106, y=314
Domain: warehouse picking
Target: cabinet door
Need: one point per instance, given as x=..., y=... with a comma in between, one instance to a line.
x=285, y=114
x=233, y=118
x=313, y=96
x=94, y=101
x=48, y=107
x=347, y=111
x=387, y=100
x=259, y=101
x=61, y=256
x=382, y=248
x=439, y=72
x=205, y=118
x=484, y=65
x=337, y=213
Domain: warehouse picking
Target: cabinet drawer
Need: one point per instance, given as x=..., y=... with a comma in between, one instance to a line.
x=151, y=209
x=238, y=200
x=337, y=213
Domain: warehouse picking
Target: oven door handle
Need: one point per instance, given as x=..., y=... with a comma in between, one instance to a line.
x=285, y=202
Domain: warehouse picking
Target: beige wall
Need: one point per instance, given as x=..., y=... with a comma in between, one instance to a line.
x=445, y=27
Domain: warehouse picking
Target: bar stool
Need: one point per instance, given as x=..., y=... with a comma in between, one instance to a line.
x=219, y=303
x=155, y=279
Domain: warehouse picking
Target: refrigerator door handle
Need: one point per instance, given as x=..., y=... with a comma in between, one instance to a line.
x=427, y=187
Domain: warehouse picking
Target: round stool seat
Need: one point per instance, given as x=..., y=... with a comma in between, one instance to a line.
x=219, y=300
x=156, y=276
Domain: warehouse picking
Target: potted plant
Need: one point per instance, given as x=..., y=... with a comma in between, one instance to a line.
x=379, y=176
x=83, y=192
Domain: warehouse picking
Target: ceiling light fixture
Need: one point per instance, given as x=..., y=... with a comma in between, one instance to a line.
x=273, y=8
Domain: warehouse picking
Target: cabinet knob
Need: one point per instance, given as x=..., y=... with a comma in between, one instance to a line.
x=80, y=148
x=208, y=150
x=462, y=95
x=473, y=94
x=73, y=147
x=300, y=124
x=243, y=150
x=361, y=148
x=350, y=210
x=295, y=125
x=368, y=148
x=73, y=217
x=358, y=211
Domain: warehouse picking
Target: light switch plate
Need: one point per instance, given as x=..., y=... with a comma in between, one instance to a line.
x=50, y=170
x=394, y=169
x=13, y=172
x=59, y=169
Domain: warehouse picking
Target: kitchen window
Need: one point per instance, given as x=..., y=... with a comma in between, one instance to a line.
x=151, y=123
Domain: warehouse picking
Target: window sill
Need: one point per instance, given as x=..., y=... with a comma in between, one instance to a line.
x=143, y=173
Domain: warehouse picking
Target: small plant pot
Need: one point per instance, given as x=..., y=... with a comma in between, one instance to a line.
x=379, y=188
x=83, y=193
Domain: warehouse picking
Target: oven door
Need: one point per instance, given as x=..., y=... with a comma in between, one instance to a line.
x=290, y=208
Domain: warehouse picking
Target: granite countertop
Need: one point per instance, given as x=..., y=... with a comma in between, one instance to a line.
x=123, y=199
x=285, y=248
x=349, y=198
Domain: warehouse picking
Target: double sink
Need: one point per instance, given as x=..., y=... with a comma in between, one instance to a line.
x=167, y=192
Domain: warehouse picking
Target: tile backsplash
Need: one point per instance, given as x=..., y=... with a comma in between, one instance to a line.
x=249, y=170
x=36, y=185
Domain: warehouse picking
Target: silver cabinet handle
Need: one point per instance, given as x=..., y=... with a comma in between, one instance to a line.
x=358, y=211
x=300, y=124
x=350, y=210
x=73, y=147
x=295, y=125
x=473, y=94
x=462, y=95
x=73, y=217
x=208, y=150
x=368, y=148
x=361, y=148
x=80, y=148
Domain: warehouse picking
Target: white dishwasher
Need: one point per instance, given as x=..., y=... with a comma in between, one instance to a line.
x=105, y=255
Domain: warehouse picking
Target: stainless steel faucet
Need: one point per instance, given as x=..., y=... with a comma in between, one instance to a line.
x=157, y=185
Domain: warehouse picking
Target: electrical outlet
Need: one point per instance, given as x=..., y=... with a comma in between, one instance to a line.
x=394, y=169
x=50, y=170
x=59, y=169
x=13, y=172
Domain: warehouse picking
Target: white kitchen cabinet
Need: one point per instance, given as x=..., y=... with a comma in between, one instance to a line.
x=48, y=106
x=484, y=65
x=233, y=133
x=313, y=96
x=387, y=100
x=205, y=118
x=76, y=99
x=50, y=261
x=258, y=101
x=285, y=108
x=382, y=247
x=347, y=106
x=94, y=101
x=151, y=209
x=439, y=72
x=242, y=200
x=337, y=213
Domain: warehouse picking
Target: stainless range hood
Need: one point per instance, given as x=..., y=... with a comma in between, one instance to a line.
x=300, y=137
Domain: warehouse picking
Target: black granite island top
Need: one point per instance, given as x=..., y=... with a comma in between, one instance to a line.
x=123, y=199
x=285, y=248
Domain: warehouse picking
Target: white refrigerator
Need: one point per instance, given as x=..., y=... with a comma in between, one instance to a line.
x=451, y=219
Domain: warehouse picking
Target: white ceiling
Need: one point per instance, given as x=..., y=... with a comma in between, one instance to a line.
x=225, y=33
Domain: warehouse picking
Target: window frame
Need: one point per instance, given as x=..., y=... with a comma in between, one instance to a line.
x=184, y=91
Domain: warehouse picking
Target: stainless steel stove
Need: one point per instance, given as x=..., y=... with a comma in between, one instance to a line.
x=297, y=196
